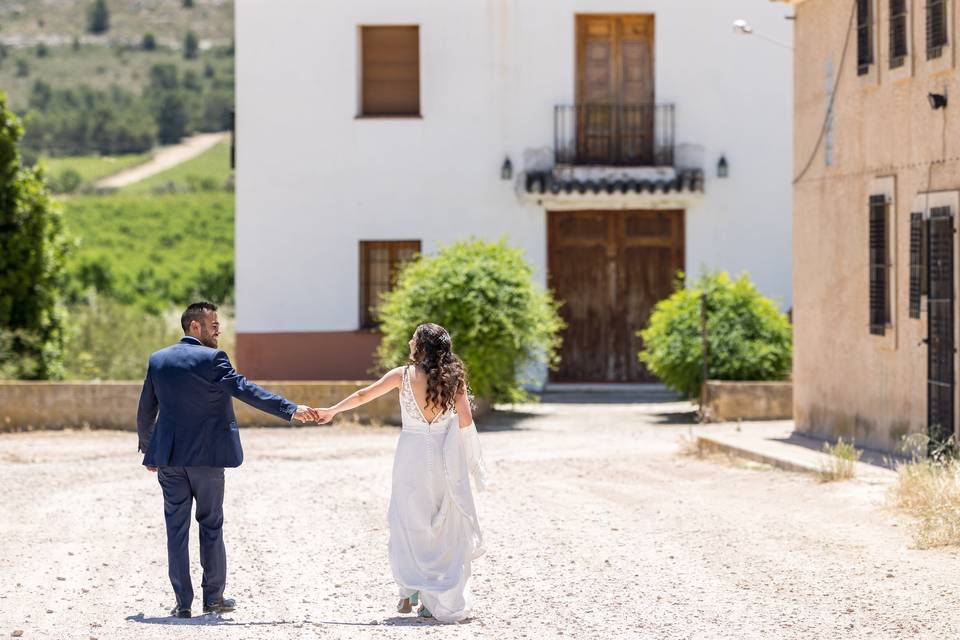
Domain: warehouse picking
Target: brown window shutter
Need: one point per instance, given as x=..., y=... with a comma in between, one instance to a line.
x=380, y=264
x=936, y=28
x=916, y=263
x=878, y=265
x=390, y=61
x=898, y=32
x=864, y=37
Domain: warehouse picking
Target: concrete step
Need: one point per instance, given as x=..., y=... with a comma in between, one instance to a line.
x=776, y=444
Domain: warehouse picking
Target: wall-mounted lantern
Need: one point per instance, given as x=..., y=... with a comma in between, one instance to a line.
x=937, y=100
x=506, y=171
x=722, y=168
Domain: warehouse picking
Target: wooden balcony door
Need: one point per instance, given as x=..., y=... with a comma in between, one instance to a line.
x=610, y=268
x=615, y=89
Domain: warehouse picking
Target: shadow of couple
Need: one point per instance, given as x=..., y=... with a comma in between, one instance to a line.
x=213, y=619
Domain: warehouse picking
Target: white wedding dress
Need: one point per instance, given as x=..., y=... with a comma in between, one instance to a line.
x=434, y=531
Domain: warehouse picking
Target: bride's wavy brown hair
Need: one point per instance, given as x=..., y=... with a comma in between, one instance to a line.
x=433, y=354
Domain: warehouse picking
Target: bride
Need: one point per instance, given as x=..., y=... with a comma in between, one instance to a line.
x=434, y=531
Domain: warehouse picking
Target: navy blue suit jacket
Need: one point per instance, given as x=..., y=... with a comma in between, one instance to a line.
x=191, y=386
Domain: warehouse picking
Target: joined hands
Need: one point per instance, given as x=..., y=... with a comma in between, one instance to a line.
x=305, y=414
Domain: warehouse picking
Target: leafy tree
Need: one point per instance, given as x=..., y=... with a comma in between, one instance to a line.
x=191, y=81
x=98, y=17
x=483, y=293
x=32, y=251
x=188, y=4
x=171, y=117
x=164, y=76
x=748, y=338
x=23, y=68
x=42, y=50
x=191, y=46
x=149, y=42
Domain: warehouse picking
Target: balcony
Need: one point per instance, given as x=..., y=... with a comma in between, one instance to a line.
x=614, y=157
x=617, y=135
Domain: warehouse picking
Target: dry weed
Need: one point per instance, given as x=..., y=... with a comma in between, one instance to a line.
x=840, y=461
x=929, y=491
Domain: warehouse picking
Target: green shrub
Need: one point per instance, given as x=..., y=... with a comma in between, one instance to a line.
x=23, y=68
x=149, y=42
x=107, y=340
x=32, y=254
x=748, y=337
x=67, y=181
x=483, y=293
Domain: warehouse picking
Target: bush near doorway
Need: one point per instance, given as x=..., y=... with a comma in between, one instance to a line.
x=748, y=338
x=483, y=293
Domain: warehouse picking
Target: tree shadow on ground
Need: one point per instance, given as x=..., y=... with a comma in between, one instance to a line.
x=674, y=418
x=641, y=394
x=504, y=420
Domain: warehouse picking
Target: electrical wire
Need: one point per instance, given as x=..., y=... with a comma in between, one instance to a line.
x=833, y=94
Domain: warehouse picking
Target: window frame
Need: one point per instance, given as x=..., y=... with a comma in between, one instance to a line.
x=368, y=111
x=368, y=313
x=865, y=36
x=899, y=22
x=935, y=51
x=879, y=265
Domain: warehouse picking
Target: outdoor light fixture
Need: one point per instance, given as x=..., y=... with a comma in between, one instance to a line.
x=722, y=168
x=506, y=171
x=743, y=27
x=937, y=100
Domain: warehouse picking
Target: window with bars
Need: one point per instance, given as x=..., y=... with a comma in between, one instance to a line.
x=936, y=28
x=879, y=266
x=898, y=32
x=390, y=68
x=918, y=262
x=864, y=36
x=380, y=263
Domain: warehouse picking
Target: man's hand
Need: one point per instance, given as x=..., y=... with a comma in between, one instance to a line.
x=306, y=414
x=151, y=469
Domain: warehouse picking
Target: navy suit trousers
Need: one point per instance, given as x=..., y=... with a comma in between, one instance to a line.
x=181, y=486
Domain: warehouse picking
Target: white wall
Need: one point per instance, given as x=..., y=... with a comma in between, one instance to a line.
x=312, y=179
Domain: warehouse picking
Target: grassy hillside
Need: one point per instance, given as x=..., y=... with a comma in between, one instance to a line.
x=27, y=22
x=100, y=67
x=210, y=171
x=152, y=252
x=79, y=173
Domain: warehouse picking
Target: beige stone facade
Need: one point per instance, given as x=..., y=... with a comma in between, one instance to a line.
x=885, y=140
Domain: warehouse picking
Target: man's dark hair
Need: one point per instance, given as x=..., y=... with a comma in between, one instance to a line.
x=195, y=312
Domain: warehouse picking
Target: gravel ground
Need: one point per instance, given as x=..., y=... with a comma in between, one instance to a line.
x=595, y=528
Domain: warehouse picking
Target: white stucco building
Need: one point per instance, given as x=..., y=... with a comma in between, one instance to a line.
x=589, y=133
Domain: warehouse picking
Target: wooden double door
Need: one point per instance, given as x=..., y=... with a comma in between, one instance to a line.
x=615, y=89
x=609, y=268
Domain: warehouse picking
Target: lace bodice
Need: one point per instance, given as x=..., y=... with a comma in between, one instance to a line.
x=409, y=409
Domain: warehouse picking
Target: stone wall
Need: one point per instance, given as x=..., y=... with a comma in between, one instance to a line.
x=113, y=405
x=732, y=400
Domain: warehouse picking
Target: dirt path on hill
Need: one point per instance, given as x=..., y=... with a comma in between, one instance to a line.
x=164, y=158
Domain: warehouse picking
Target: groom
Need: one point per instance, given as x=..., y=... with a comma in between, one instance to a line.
x=191, y=384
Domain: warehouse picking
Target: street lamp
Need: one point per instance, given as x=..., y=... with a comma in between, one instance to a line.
x=743, y=27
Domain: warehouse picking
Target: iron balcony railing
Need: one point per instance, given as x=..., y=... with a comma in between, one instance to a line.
x=614, y=134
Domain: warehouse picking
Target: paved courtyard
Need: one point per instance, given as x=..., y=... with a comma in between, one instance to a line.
x=595, y=528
